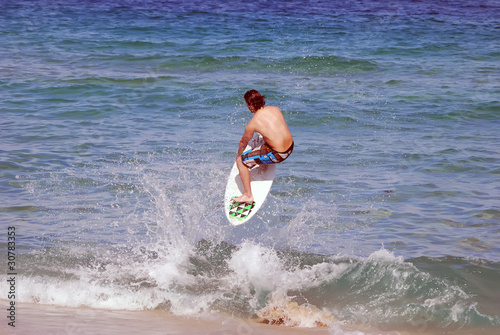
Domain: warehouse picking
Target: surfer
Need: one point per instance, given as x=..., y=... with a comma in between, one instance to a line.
x=270, y=123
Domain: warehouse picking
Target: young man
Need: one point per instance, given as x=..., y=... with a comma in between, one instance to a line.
x=270, y=123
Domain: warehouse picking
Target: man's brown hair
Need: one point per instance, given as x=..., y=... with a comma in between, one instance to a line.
x=255, y=99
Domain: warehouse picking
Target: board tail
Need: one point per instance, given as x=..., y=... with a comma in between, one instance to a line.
x=240, y=210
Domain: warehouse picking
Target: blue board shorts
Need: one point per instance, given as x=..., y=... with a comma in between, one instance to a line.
x=264, y=155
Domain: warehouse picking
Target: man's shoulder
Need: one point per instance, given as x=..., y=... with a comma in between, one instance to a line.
x=265, y=114
x=270, y=110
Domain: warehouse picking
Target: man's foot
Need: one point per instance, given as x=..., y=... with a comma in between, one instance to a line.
x=243, y=198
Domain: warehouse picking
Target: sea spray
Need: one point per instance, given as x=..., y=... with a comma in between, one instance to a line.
x=174, y=259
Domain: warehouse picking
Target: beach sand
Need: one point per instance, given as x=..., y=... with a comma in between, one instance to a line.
x=46, y=319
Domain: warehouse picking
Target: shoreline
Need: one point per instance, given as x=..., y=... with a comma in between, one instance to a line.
x=38, y=319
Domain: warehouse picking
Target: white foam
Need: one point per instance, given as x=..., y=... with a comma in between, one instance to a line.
x=257, y=266
x=260, y=267
x=381, y=286
x=385, y=255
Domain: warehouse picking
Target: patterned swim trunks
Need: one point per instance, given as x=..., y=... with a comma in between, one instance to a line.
x=264, y=155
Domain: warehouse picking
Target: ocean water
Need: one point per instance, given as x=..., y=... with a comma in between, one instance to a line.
x=120, y=122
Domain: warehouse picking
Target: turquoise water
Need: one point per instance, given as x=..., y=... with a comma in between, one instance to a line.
x=120, y=124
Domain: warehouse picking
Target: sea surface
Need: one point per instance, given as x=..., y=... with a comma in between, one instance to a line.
x=119, y=124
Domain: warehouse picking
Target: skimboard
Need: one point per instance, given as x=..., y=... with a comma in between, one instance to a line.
x=262, y=177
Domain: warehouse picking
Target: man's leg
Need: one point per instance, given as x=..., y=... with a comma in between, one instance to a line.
x=245, y=179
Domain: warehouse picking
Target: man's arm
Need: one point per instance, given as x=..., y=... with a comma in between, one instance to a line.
x=247, y=136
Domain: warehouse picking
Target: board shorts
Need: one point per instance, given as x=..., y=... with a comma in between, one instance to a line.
x=264, y=155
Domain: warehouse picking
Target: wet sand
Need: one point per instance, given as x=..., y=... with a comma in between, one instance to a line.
x=41, y=319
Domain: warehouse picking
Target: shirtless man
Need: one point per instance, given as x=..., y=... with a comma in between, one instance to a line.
x=270, y=123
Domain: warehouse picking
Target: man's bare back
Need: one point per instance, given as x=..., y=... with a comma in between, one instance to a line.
x=270, y=123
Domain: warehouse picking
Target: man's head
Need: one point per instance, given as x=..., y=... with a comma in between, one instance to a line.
x=254, y=100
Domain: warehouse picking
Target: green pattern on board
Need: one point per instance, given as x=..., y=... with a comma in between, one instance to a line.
x=240, y=210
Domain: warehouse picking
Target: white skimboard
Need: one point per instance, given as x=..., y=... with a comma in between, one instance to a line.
x=262, y=177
